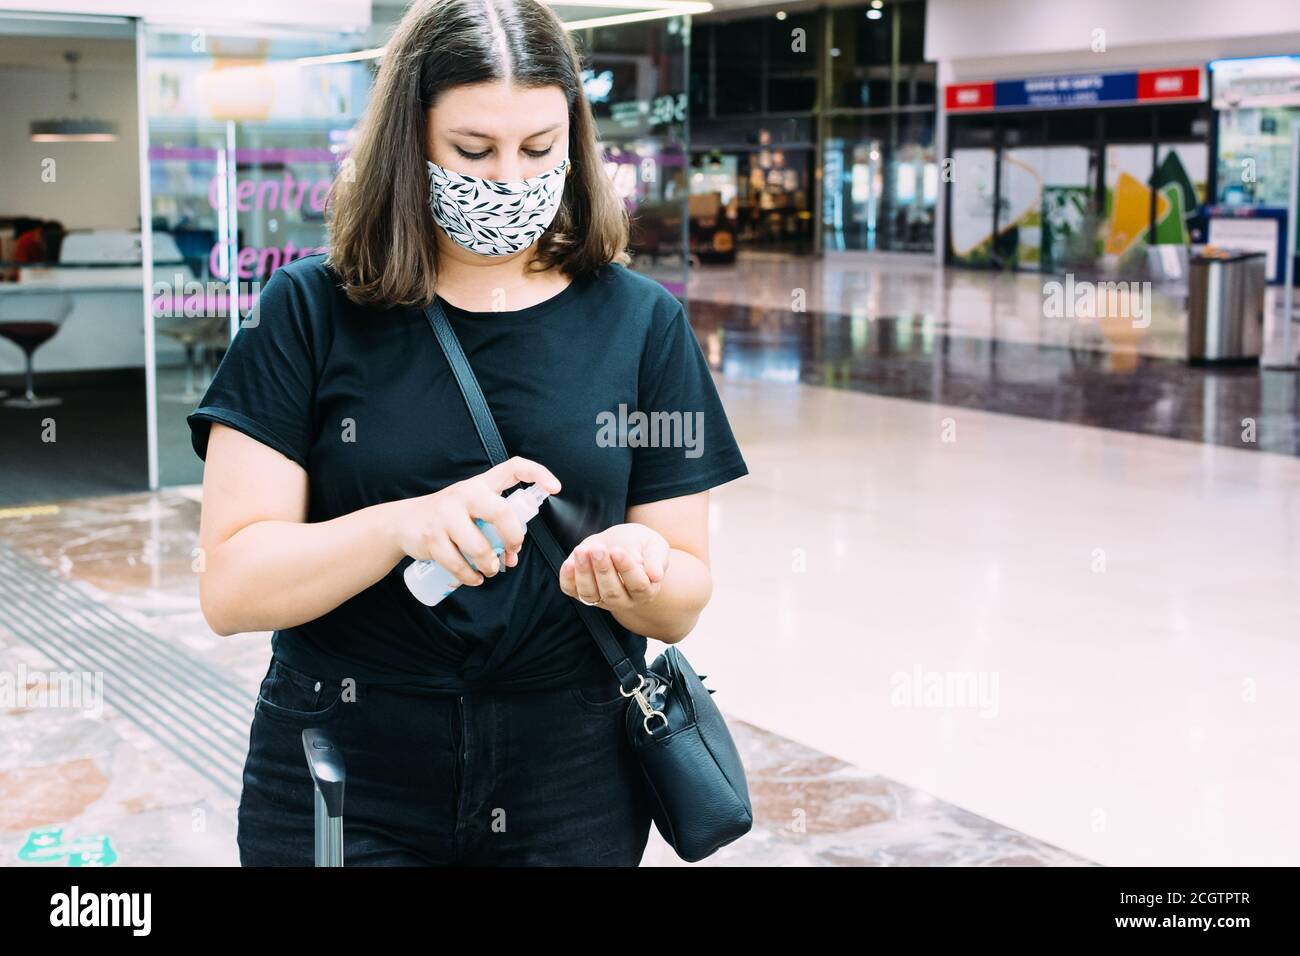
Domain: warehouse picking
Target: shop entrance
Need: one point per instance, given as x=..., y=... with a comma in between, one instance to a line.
x=72, y=355
x=764, y=195
x=1079, y=190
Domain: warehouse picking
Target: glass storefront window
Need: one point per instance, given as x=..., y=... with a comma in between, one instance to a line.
x=1128, y=204
x=760, y=196
x=793, y=46
x=972, y=206
x=917, y=80
x=71, y=304
x=1180, y=177
x=1046, y=198
x=700, y=87
x=878, y=57
x=641, y=107
x=1257, y=139
x=853, y=175
x=245, y=137
x=778, y=208
x=1069, y=196
x=913, y=184
x=869, y=98
x=738, y=76
x=880, y=181
x=917, y=84
x=861, y=57
x=880, y=175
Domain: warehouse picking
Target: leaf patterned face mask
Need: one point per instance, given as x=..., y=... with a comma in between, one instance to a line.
x=491, y=217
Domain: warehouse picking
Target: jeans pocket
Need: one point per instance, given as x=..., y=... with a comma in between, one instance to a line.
x=290, y=695
x=599, y=696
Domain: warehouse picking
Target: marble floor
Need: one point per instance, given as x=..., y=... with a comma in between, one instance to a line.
x=959, y=302
x=1119, y=608
x=981, y=340
x=105, y=779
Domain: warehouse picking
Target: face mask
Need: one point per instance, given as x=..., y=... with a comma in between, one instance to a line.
x=491, y=217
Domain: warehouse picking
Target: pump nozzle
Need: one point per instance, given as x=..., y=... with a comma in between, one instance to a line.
x=526, y=502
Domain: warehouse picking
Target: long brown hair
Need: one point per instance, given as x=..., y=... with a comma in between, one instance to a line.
x=381, y=231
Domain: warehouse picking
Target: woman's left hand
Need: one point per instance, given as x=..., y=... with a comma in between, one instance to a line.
x=619, y=568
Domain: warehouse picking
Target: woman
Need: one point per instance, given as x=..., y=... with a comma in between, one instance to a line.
x=486, y=729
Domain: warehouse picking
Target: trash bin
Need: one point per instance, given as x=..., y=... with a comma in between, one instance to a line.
x=1225, y=306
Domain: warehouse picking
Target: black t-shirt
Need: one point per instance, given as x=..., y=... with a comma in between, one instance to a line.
x=364, y=400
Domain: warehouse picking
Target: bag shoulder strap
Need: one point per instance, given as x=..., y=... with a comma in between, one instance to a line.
x=611, y=649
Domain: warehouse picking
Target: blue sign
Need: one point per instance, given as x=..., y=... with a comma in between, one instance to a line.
x=1079, y=90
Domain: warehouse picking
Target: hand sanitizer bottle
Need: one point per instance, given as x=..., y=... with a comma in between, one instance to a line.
x=430, y=582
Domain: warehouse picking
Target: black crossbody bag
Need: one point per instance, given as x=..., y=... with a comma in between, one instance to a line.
x=695, y=780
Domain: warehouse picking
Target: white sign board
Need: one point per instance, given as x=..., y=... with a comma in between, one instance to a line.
x=1249, y=234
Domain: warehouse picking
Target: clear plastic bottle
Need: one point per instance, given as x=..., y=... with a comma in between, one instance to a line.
x=430, y=582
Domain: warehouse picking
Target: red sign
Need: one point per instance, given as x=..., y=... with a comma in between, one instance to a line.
x=1075, y=91
x=968, y=96
x=1169, y=84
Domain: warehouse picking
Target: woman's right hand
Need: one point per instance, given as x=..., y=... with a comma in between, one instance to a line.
x=441, y=526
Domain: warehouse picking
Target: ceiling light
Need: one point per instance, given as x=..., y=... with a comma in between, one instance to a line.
x=644, y=10
x=73, y=130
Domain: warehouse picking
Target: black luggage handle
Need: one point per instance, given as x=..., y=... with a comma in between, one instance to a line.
x=325, y=763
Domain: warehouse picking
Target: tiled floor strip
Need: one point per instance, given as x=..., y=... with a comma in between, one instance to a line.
x=175, y=697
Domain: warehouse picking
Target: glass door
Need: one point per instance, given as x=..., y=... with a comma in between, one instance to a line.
x=1045, y=207
x=971, y=206
x=1181, y=174
x=1128, y=205
x=245, y=134
x=853, y=183
x=636, y=82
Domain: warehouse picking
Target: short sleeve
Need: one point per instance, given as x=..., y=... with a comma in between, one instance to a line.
x=684, y=443
x=265, y=385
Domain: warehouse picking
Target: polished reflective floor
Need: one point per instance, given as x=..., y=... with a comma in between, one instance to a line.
x=980, y=340
x=1041, y=567
x=1084, y=634
x=144, y=768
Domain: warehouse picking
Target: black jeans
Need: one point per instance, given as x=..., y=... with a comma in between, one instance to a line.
x=492, y=779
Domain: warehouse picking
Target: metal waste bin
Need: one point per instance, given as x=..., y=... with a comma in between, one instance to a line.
x=1225, y=306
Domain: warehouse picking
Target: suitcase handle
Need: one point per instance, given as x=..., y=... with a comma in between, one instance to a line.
x=325, y=763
